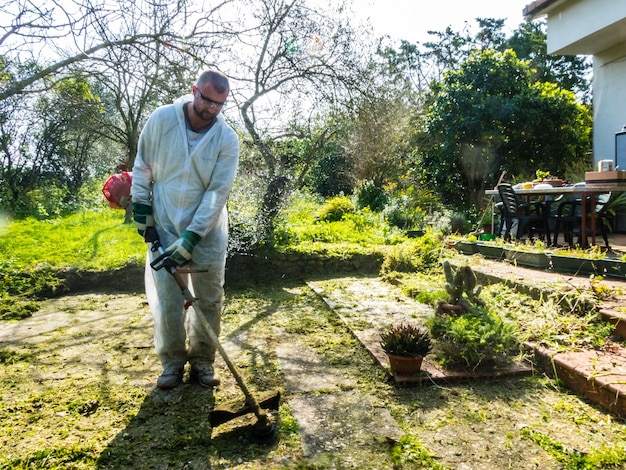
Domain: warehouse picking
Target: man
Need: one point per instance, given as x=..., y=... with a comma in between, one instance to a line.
x=186, y=162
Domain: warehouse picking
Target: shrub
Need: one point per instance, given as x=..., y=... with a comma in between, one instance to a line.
x=402, y=212
x=458, y=223
x=335, y=209
x=331, y=176
x=370, y=195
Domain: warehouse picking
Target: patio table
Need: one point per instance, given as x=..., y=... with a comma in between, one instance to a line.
x=589, y=190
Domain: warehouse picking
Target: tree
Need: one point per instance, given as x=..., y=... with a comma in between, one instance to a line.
x=379, y=145
x=64, y=146
x=295, y=62
x=447, y=49
x=570, y=72
x=70, y=33
x=490, y=117
x=136, y=56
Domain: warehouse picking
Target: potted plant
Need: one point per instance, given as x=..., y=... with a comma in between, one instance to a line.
x=489, y=223
x=468, y=245
x=578, y=261
x=405, y=345
x=532, y=254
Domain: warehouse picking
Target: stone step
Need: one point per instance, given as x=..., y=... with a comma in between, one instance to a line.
x=597, y=374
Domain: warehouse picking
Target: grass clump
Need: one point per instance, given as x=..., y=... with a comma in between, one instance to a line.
x=335, y=209
x=413, y=255
x=410, y=451
x=471, y=340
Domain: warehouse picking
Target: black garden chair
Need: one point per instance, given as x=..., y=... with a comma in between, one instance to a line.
x=531, y=217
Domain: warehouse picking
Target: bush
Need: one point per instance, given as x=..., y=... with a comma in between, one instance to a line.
x=370, y=195
x=458, y=223
x=331, y=176
x=402, y=212
x=335, y=209
x=52, y=200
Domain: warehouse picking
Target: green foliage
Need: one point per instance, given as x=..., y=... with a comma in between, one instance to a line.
x=410, y=451
x=570, y=72
x=458, y=223
x=243, y=205
x=606, y=456
x=372, y=196
x=473, y=339
x=300, y=223
x=331, y=176
x=541, y=175
x=401, y=212
x=335, y=209
x=9, y=356
x=87, y=240
x=418, y=254
x=405, y=339
x=479, y=122
x=564, y=320
x=12, y=309
x=17, y=280
x=52, y=200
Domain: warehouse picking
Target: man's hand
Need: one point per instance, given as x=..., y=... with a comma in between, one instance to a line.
x=180, y=251
x=142, y=215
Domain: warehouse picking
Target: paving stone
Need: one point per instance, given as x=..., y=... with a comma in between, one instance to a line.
x=305, y=371
x=323, y=422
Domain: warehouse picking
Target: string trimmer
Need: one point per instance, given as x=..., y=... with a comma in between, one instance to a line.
x=263, y=430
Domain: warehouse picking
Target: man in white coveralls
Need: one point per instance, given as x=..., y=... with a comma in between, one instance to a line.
x=186, y=162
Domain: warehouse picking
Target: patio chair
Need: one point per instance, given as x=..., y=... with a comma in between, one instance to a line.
x=531, y=217
x=569, y=218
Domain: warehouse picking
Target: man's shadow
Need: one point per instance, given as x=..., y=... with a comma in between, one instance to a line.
x=172, y=430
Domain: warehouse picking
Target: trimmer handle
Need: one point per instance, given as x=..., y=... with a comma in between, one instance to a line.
x=164, y=261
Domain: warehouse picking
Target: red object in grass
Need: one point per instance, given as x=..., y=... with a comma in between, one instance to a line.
x=116, y=190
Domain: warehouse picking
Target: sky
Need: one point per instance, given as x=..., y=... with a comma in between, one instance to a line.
x=411, y=19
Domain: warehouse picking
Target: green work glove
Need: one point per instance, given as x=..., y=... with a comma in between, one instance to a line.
x=181, y=249
x=142, y=215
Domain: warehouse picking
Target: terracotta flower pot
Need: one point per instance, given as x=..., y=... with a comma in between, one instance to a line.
x=405, y=365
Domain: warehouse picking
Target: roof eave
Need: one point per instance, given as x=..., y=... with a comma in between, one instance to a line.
x=540, y=8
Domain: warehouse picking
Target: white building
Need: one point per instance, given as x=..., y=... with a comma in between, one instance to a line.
x=596, y=28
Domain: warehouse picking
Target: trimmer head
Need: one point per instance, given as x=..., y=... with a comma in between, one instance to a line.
x=263, y=431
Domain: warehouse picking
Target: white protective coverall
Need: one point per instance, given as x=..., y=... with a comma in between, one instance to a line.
x=188, y=190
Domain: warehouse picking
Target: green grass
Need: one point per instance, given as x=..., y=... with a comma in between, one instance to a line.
x=96, y=240
x=50, y=421
x=36, y=251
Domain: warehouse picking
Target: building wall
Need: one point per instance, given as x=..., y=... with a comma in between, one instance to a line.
x=609, y=101
x=585, y=26
x=597, y=28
